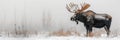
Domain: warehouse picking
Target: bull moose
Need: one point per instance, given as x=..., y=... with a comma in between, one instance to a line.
x=89, y=18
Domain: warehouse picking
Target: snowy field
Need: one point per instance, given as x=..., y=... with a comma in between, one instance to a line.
x=59, y=38
x=46, y=36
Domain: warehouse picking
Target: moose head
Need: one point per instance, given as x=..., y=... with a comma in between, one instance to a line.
x=73, y=8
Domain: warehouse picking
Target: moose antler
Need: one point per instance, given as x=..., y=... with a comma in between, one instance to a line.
x=72, y=7
x=83, y=7
x=68, y=8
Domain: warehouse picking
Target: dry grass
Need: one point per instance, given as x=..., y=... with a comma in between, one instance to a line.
x=98, y=33
x=64, y=33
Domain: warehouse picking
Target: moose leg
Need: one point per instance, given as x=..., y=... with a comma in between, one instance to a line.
x=107, y=28
x=90, y=34
x=89, y=31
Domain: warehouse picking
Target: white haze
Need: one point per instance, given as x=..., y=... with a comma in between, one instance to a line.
x=51, y=15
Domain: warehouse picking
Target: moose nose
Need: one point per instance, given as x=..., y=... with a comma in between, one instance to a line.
x=72, y=18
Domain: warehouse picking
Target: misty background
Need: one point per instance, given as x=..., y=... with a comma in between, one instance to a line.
x=50, y=15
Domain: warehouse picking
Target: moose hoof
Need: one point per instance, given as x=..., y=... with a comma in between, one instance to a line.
x=90, y=34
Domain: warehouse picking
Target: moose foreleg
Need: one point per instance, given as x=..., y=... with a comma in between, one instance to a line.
x=89, y=31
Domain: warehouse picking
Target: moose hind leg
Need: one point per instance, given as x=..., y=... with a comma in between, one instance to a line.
x=107, y=28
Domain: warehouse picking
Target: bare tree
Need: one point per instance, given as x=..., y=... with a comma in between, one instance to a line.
x=46, y=20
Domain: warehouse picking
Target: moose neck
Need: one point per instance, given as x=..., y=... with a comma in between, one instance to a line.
x=81, y=17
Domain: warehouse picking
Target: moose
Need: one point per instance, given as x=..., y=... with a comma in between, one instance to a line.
x=89, y=18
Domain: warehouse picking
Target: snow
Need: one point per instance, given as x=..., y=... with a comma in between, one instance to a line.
x=59, y=38
x=45, y=36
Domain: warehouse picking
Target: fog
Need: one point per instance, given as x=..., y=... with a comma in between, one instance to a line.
x=50, y=15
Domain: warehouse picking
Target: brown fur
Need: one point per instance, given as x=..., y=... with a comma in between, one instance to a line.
x=90, y=13
x=108, y=16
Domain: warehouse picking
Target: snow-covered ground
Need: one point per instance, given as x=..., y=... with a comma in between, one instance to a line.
x=72, y=38
x=59, y=38
x=46, y=36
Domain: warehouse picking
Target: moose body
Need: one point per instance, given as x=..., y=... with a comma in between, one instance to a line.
x=89, y=18
x=93, y=21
